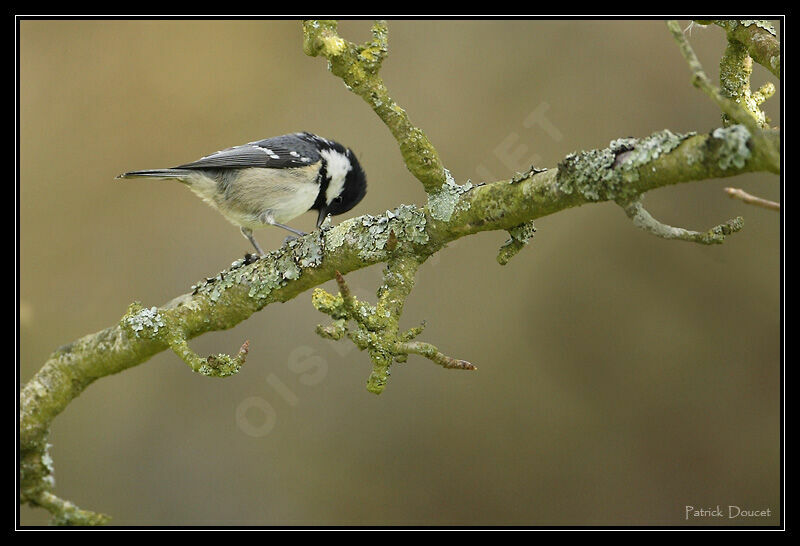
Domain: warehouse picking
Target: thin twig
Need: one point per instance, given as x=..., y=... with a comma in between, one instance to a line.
x=432, y=353
x=644, y=220
x=736, y=193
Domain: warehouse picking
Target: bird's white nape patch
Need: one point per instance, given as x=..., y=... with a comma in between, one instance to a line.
x=338, y=165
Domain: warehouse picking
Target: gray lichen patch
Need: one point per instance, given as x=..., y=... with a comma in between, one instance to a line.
x=371, y=235
x=270, y=271
x=644, y=151
x=609, y=173
x=405, y=223
x=731, y=143
x=442, y=203
x=523, y=232
x=143, y=322
x=309, y=250
x=520, y=236
x=760, y=23
x=520, y=176
x=335, y=237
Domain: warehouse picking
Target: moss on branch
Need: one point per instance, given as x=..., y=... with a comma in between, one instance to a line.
x=732, y=110
x=358, y=66
x=377, y=328
x=758, y=36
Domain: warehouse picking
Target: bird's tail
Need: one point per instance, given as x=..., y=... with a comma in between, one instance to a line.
x=156, y=173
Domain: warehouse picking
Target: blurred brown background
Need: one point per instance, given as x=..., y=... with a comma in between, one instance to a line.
x=621, y=377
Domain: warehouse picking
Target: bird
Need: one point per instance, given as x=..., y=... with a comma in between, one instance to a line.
x=270, y=182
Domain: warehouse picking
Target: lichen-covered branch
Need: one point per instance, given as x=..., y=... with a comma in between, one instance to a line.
x=377, y=328
x=730, y=108
x=520, y=237
x=758, y=36
x=358, y=66
x=151, y=324
x=747, y=38
x=644, y=220
x=432, y=353
x=736, y=67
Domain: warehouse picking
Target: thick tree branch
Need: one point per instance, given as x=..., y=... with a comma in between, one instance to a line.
x=621, y=170
x=626, y=168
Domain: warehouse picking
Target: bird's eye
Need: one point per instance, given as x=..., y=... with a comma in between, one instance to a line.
x=338, y=199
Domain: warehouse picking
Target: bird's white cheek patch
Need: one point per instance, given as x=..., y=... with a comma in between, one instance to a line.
x=338, y=166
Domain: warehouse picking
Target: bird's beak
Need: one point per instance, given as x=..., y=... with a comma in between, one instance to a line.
x=322, y=215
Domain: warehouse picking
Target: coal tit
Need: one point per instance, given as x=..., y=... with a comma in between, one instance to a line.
x=271, y=181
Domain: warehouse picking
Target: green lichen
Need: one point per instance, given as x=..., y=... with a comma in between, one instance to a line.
x=219, y=365
x=373, y=53
x=718, y=233
x=225, y=370
x=71, y=515
x=329, y=304
x=609, y=173
x=733, y=148
x=735, y=70
x=358, y=66
x=376, y=327
x=376, y=382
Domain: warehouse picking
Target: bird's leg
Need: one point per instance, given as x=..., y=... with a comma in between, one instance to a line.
x=267, y=219
x=247, y=232
x=295, y=231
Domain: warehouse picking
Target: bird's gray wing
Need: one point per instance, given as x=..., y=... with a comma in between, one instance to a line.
x=276, y=153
